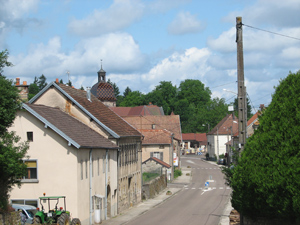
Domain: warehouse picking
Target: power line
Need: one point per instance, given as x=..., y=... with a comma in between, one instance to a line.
x=283, y=35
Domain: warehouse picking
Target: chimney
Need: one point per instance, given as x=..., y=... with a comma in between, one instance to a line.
x=262, y=107
x=88, y=93
x=56, y=81
x=23, y=89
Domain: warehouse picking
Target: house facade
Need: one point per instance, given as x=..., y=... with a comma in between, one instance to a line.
x=89, y=110
x=220, y=135
x=194, y=142
x=66, y=158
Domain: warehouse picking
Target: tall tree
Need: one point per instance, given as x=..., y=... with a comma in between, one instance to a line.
x=11, y=151
x=126, y=92
x=42, y=82
x=3, y=61
x=134, y=98
x=266, y=180
x=249, y=108
x=163, y=95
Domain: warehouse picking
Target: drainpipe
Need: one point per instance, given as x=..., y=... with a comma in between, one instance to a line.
x=106, y=181
x=91, y=202
x=172, y=157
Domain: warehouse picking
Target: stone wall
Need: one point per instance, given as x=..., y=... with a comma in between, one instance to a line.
x=151, y=166
x=12, y=218
x=155, y=186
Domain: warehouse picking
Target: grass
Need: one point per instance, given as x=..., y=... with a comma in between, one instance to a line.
x=149, y=176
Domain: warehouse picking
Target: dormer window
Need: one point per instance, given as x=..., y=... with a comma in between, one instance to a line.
x=153, y=126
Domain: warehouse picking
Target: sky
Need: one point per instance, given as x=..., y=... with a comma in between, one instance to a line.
x=142, y=42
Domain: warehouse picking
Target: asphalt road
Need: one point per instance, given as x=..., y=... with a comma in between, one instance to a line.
x=196, y=203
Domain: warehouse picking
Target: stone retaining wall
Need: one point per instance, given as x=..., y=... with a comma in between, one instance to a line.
x=12, y=218
x=155, y=186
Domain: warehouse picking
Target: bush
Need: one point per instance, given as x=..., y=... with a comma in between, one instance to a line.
x=149, y=176
x=266, y=179
x=177, y=173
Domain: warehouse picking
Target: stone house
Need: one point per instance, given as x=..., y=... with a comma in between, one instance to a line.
x=88, y=109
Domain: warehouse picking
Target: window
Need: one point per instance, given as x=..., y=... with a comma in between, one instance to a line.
x=86, y=169
x=92, y=167
x=153, y=126
x=161, y=146
x=31, y=170
x=81, y=169
x=108, y=162
x=103, y=164
x=98, y=166
x=30, y=136
x=33, y=202
x=158, y=155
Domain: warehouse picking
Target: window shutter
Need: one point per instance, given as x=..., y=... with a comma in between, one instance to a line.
x=162, y=156
x=151, y=154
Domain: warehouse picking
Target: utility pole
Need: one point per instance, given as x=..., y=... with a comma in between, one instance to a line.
x=242, y=100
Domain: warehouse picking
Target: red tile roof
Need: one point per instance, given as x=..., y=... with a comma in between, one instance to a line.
x=73, y=128
x=170, y=123
x=103, y=91
x=223, y=127
x=253, y=118
x=200, y=137
x=158, y=161
x=138, y=110
x=156, y=136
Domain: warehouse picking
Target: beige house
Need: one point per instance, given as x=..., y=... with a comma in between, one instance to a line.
x=162, y=137
x=91, y=112
x=67, y=158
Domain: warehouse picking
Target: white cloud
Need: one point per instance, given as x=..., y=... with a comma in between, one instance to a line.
x=276, y=13
x=118, y=51
x=185, y=23
x=121, y=14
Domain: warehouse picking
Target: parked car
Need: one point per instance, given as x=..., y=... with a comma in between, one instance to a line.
x=222, y=161
x=28, y=210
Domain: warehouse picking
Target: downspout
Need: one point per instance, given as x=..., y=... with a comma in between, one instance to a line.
x=91, y=202
x=118, y=168
x=106, y=181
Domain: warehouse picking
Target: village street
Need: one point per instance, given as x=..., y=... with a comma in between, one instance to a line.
x=195, y=203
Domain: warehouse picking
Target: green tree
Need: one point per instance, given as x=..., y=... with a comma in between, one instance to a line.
x=126, y=92
x=42, y=82
x=266, y=179
x=11, y=151
x=134, y=98
x=11, y=164
x=33, y=89
x=249, y=108
x=9, y=103
x=3, y=61
x=195, y=92
x=163, y=95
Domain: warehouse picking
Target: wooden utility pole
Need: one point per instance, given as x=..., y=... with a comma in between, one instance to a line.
x=242, y=100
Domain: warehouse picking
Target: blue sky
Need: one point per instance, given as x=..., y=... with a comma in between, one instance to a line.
x=143, y=42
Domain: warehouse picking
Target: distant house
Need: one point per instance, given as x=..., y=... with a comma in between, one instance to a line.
x=144, y=110
x=194, y=142
x=220, y=135
x=162, y=137
x=155, y=164
x=68, y=158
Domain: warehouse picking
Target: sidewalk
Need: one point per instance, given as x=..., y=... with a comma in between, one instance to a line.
x=144, y=206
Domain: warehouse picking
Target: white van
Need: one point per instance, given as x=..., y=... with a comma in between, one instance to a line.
x=28, y=210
